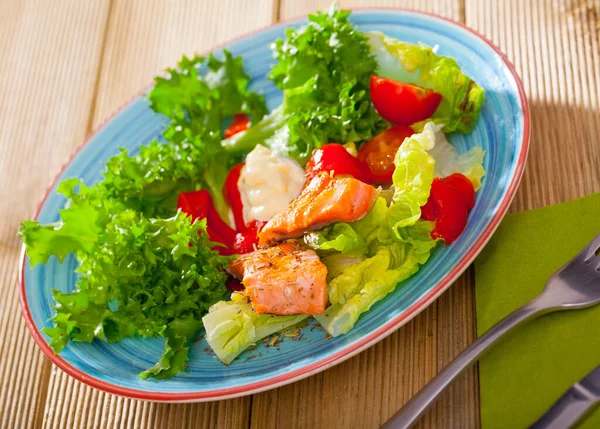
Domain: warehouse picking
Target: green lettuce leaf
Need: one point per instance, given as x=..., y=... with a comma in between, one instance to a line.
x=360, y=286
x=420, y=65
x=419, y=159
x=339, y=236
x=200, y=93
x=233, y=326
x=448, y=161
x=79, y=232
x=138, y=276
x=324, y=70
x=412, y=178
x=198, y=97
x=360, y=276
x=354, y=237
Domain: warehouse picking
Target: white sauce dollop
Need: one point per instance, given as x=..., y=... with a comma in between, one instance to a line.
x=268, y=184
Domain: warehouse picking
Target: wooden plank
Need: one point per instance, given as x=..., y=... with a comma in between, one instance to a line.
x=47, y=78
x=448, y=8
x=555, y=49
x=144, y=37
x=367, y=389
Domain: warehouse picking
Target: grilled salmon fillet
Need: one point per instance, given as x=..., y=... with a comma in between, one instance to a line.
x=284, y=279
x=323, y=201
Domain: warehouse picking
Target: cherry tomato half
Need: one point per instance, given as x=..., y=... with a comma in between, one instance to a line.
x=402, y=103
x=334, y=157
x=378, y=154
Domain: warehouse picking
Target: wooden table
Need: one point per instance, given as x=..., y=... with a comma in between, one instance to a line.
x=67, y=64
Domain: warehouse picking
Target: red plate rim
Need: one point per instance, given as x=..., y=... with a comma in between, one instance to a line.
x=340, y=356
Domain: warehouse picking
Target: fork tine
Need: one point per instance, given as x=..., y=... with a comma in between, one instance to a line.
x=590, y=250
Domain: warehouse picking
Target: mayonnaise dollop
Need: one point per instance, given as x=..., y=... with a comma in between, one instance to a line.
x=268, y=184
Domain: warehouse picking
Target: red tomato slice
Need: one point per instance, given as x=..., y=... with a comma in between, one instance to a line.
x=402, y=103
x=334, y=157
x=239, y=123
x=464, y=186
x=378, y=153
x=232, y=196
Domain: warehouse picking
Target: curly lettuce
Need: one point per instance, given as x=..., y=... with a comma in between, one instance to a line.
x=138, y=276
x=198, y=96
x=200, y=93
x=323, y=70
x=144, y=268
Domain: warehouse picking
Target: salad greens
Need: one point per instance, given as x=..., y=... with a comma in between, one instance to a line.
x=391, y=242
x=197, y=105
x=421, y=158
x=233, y=326
x=145, y=269
x=363, y=276
x=323, y=70
x=200, y=94
x=138, y=276
x=420, y=65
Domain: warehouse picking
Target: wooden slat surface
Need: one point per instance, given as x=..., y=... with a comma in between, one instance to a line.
x=47, y=80
x=555, y=49
x=67, y=64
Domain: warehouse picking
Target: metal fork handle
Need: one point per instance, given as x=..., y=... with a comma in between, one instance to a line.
x=571, y=408
x=413, y=409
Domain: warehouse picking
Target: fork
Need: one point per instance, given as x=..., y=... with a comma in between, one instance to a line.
x=575, y=285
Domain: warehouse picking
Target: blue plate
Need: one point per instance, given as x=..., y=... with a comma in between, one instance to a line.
x=502, y=131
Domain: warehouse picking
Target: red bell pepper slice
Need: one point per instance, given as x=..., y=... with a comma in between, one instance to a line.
x=239, y=123
x=450, y=201
x=199, y=205
x=232, y=195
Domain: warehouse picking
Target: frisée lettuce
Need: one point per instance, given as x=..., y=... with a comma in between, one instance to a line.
x=323, y=70
x=145, y=268
x=138, y=276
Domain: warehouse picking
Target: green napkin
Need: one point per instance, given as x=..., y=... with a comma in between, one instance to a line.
x=526, y=372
